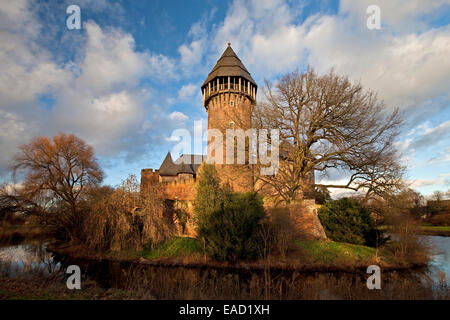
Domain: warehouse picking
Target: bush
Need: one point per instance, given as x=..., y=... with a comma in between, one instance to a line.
x=283, y=232
x=231, y=233
x=406, y=246
x=441, y=219
x=345, y=220
x=227, y=223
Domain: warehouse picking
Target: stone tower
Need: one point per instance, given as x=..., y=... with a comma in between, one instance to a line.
x=229, y=93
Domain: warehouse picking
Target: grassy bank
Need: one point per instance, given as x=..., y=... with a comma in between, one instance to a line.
x=443, y=231
x=311, y=253
x=306, y=255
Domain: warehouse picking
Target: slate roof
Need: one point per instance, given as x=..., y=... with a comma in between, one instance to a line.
x=186, y=163
x=229, y=65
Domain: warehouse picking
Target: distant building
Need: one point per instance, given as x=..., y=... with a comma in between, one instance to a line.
x=183, y=168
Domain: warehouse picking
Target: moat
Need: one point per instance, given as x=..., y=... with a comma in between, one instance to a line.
x=193, y=283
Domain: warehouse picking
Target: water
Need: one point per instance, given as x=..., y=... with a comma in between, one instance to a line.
x=32, y=256
x=440, y=261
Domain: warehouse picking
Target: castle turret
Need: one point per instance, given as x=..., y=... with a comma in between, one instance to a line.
x=229, y=92
x=229, y=76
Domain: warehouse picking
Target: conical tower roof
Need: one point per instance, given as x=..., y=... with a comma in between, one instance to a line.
x=187, y=163
x=229, y=65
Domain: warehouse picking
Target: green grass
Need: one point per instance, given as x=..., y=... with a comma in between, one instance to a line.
x=333, y=252
x=437, y=228
x=176, y=247
x=443, y=231
x=321, y=252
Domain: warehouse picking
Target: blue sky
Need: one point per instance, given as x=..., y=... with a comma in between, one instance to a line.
x=132, y=74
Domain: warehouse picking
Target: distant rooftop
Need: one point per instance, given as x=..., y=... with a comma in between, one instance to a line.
x=186, y=163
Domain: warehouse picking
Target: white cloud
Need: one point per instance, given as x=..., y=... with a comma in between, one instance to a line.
x=443, y=156
x=441, y=181
x=104, y=104
x=27, y=68
x=263, y=34
x=111, y=61
x=398, y=14
x=101, y=120
x=433, y=136
x=97, y=96
x=407, y=69
x=178, y=116
x=188, y=91
x=13, y=131
x=191, y=54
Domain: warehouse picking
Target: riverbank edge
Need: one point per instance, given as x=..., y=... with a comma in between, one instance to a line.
x=18, y=233
x=429, y=231
x=78, y=251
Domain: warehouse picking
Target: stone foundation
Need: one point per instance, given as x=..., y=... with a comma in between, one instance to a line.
x=304, y=216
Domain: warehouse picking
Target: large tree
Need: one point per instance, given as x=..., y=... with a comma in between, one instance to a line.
x=59, y=169
x=326, y=122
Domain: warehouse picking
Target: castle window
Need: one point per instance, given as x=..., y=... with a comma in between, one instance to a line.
x=231, y=103
x=232, y=124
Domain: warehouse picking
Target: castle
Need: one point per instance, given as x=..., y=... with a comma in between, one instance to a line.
x=229, y=88
x=229, y=94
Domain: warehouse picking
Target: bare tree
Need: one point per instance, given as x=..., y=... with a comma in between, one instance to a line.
x=437, y=196
x=125, y=218
x=327, y=123
x=59, y=169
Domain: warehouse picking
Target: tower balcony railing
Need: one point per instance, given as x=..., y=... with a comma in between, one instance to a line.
x=225, y=87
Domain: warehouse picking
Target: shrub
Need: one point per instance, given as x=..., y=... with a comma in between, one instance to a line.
x=441, y=219
x=345, y=220
x=283, y=232
x=406, y=246
x=209, y=196
x=231, y=233
x=227, y=223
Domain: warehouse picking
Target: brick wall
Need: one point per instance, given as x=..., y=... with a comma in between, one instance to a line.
x=180, y=189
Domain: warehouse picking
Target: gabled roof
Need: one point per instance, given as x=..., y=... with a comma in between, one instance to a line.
x=229, y=65
x=186, y=163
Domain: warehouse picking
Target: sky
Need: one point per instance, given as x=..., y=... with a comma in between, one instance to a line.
x=132, y=73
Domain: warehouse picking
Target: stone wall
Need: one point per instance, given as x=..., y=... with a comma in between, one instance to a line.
x=230, y=111
x=304, y=216
x=149, y=177
x=180, y=194
x=180, y=189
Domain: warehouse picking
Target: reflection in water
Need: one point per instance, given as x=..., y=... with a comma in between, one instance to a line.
x=440, y=262
x=165, y=281
x=27, y=258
